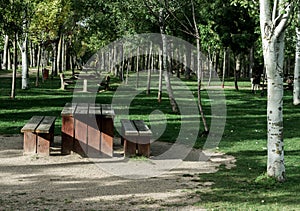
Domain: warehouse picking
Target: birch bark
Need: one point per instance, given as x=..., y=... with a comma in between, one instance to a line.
x=25, y=74
x=297, y=64
x=272, y=32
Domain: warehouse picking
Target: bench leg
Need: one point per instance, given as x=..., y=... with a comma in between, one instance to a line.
x=144, y=150
x=144, y=146
x=43, y=143
x=129, y=148
x=67, y=135
x=30, y=140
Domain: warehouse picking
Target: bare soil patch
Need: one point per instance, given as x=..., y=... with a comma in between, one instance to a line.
x=32, y=182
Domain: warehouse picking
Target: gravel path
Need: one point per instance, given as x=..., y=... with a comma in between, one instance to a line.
x=31, y=182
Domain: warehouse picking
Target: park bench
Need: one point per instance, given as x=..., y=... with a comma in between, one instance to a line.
x=135, y=137
x=39, y=135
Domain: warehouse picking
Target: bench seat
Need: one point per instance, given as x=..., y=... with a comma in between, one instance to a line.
x=135, y=137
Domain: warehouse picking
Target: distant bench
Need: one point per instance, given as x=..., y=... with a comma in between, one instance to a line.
x=135, y=137
x=39, y=135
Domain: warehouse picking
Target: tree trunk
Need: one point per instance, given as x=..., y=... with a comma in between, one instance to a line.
x=165, y=60
x=272, y=32
x=122, y=62
x=5, y=53
x=224, y=67
x=59, y=55
x=9, y=62
x=188, y=63
x=251, y=62
x=25, y=74
x=54, y=62
x=159, y=97
x=15, y=67
x=149, y=70
x=237, y=70
x=199, y=80
x=38, y=66
x=137, y=66
x=297, y=64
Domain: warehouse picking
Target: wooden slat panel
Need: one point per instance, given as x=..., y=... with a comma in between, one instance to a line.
x=142, y=128
x=32, y=124
x=43, y=144
x=46, y=124
x=69, y=109
x=107, y=136
x=128, y=128
x=67, y=134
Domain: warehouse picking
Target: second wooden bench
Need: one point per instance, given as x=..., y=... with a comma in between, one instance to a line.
x=136, y=138
x=38, y=135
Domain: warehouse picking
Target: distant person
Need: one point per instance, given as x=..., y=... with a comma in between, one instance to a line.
x=255, y=80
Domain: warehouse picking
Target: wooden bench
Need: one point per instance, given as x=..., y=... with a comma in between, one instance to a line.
x=39, y=135
x=135, y=137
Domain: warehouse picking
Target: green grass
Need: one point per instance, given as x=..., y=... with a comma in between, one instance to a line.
x=245, y=187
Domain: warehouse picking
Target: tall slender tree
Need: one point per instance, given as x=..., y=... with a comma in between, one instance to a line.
x=297, y=62
x=273, y=22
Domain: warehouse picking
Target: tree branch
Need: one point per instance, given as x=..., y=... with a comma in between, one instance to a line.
x=284, y=20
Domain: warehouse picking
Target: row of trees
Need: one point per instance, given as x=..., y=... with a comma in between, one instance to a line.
x=67, y=32
x=71, y=30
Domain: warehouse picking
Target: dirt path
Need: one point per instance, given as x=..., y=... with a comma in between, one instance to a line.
x=73, y=183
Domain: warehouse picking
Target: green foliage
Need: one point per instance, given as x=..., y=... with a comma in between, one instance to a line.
x=235, y=27
x=48, y=19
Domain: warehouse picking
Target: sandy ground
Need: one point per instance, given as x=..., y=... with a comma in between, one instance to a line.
x=56, y=182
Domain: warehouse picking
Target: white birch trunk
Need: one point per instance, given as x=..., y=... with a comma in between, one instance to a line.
x=137, y=67
x=272, y=31
x=25, y=75
x=297, y=64
x=159, y=97
x=224, y=67
x=149, y=70
x=5, y=53
x=165, y=60
x=15, y=67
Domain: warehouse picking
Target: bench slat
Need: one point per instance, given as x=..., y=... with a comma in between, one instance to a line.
x=95, y=109
x=107, y=111
x=69, y=109
x=129, y=128
x=82, y=108
x=32, y=124
x=46, y=124
x=142, y=128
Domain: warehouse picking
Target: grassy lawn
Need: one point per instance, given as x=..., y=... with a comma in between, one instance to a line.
x=244, y=187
